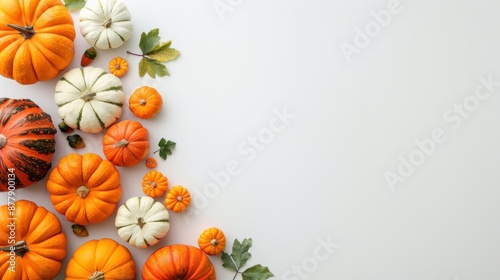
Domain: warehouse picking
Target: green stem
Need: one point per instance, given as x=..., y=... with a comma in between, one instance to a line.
x=136, y=54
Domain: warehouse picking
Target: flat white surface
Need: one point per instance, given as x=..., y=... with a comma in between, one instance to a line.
x=320, y=178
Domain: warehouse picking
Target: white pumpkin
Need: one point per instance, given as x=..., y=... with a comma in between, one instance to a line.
x=142, y=221
x=89, y=99
x=105, y=24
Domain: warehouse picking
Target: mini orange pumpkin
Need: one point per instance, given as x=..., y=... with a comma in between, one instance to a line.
x=177, y=199
x=154, y=183
x=84, y=188
x=40, y=243
x=101, y=259
x=145, y=102
x=126, y=143
x=151, y=162
x=118, y=66
x=36, y=39
x=212, y=241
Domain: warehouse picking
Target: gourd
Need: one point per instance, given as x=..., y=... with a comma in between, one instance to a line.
x=84, y=188
x=101, y=259
x=178, y=262
x=27, y=143
x=40, y=243
x=118, y=66
x=177, y=199
x=89, y=99
x=212, y=241
x=105, y=24
x=145, y=102
x=126, y=143
x=142, y=221
x=154, y=183
x=36, y=39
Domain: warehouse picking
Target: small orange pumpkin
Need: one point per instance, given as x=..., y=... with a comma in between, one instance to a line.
x=126, y=143
x=151, y=162
x=212, y=241
x=36, y=39
x=154, y=183
x=177, y=199
x=84, y=188
x=118, y=66
x=101, y=259
x=145, y=102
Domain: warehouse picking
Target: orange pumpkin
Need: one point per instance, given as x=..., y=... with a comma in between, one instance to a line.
x=151, y=162
x=177, y=199
x=36, y=39
x=26, y=143
x=145, y=102
x=126, y=143
x=154, y=183
x=84, y=188
x=178, y=262
x=32, y=242
x=118, y=66
x=212, y=241
x=101, y=259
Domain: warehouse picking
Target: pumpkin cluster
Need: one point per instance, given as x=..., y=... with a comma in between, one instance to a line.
x=37, y=44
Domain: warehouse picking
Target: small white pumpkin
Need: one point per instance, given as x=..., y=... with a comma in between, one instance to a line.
x=142, y=221
x=105, y=24
x=89, y=99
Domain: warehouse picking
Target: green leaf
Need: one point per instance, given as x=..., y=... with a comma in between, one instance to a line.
x=149, y=41
x=166, y=148
x=74, y=4
x=228, y=262
x=240, y=252
x=257, y=272
x=164, y=54
x=152, y=67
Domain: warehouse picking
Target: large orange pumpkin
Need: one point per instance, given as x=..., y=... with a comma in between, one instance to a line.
x=84, y=188
x=36, y=39
x=126, y=143
x=178, y=262
x=26, y=143
x=32, y=242
x=101, y=259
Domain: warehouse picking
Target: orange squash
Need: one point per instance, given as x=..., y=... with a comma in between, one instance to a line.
x=26, y=143
x=101, y=259
x=32, y=242
x=145, y=102
x=154, y=183
x=36, y=39
x=177, y=199
x=118, y=66
x=178, y=262
x=212, y=241
x=84, y=188
x=126, y=143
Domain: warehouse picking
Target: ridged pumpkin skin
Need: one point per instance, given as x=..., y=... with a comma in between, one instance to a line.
x=126, y=143
x=101, y=259
x=41, y=244
x=145, y=102
x=44, y=48
x=178, y=262
x=26, y=143
x=84, y=188
x=154, y=183
x=89, y=99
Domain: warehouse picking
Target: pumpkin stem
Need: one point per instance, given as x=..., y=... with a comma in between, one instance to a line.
x=20, y=248
x=26, y=31
x=98, y=275
x=214, y=242
x=83, y=191
x=107, y=23
x=87, y=95
x=3, y=140
x=121, y=143
x=179, y=198
x=153, y=185
x=141, y=222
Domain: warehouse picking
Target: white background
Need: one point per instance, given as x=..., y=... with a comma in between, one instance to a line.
x=322, y=177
